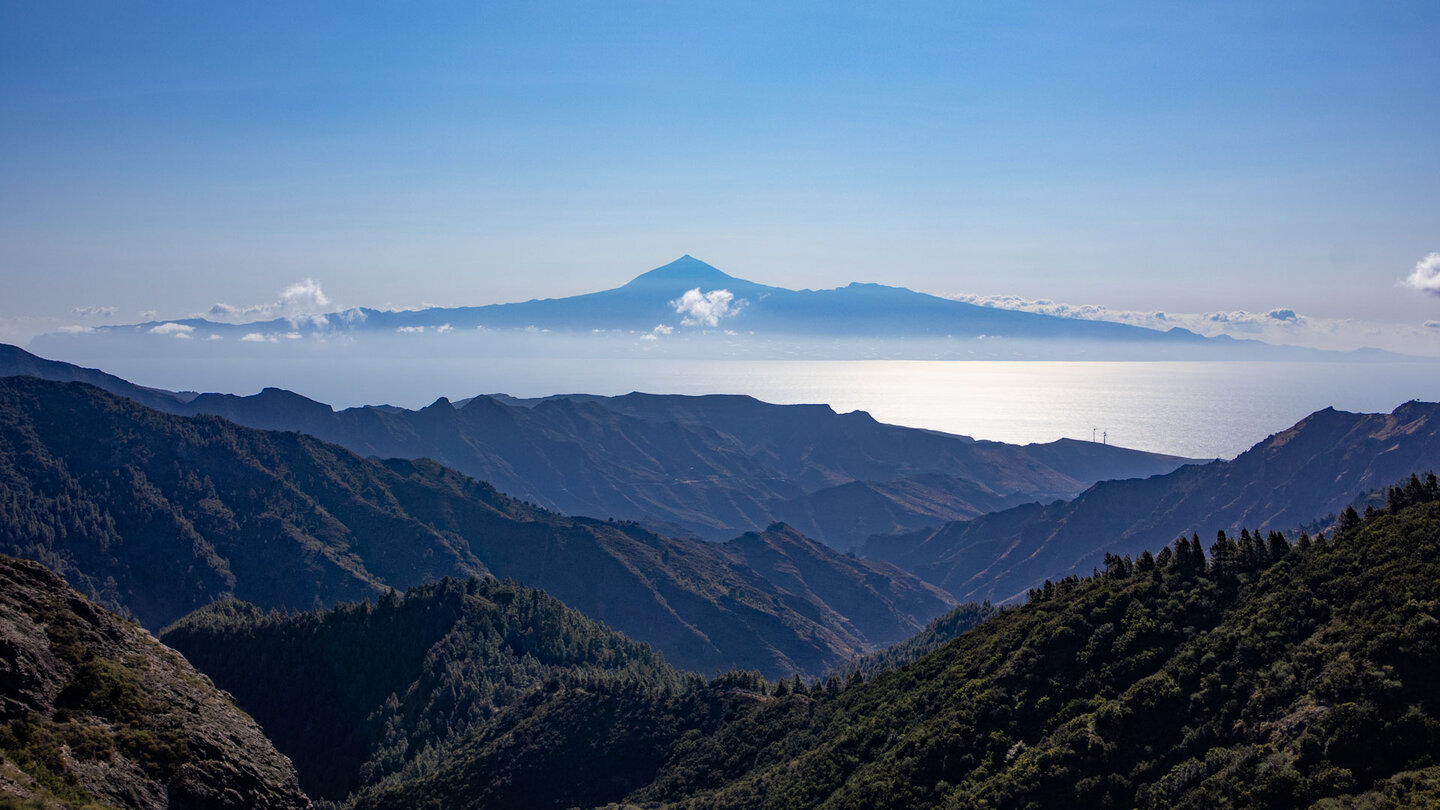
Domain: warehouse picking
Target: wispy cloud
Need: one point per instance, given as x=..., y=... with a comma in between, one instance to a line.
x=94, y=311
x=705, y=309
x=1282, y=325
x=1426, y=275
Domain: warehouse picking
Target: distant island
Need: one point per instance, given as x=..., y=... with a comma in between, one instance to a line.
x=689, y=306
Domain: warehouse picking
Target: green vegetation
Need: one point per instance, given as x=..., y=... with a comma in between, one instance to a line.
x=95, y=713
x=362, y=691
x=939, y=631
x=103, y=711
x=1263, y=674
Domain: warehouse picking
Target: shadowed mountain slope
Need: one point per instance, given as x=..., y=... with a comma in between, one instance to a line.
x=713, y=466
x=357, y=693
x=1313, y=469
x=165, y=514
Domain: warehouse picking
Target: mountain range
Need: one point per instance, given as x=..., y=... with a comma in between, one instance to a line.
x=709, y=466
x=688, y=298
x=163, y=514
x=1270, y=673
x=1312, y=470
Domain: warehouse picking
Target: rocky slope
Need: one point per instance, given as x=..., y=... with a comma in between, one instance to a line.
x=94, y=711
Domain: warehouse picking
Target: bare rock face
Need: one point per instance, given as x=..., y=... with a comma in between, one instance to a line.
x=95, y=710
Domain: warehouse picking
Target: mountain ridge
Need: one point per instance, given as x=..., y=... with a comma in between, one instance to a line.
x=164, y=514
x=712, y=466
x=1312, y=469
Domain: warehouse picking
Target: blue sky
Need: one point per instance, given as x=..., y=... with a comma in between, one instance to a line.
x=1141, y=156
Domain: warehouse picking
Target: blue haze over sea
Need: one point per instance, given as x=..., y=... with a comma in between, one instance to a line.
x=1196, y=409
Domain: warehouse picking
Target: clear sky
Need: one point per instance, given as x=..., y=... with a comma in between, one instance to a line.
x=1150, y=155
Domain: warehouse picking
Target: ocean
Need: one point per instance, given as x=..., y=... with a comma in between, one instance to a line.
x=1190, y=408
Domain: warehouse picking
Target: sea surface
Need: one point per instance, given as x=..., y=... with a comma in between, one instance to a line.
x=1189, y=408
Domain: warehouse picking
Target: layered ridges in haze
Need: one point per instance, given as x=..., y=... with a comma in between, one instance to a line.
x=165, y=514
x=713, y=465
x=1304, y=473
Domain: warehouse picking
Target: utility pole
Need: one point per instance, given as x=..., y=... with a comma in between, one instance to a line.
x=1104, y=437
x=1092, y=434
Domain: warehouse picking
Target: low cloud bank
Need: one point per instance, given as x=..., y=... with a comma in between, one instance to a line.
x=1281, y=325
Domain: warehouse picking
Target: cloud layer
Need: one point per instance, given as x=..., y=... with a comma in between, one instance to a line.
x=1282, y=325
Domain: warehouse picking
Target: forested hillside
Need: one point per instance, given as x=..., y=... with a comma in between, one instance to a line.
x=1273, y=672
x=163, y=514
x=359, y=692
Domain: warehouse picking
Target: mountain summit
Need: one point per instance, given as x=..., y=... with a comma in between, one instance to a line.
x=686, y=272
x=689, y=298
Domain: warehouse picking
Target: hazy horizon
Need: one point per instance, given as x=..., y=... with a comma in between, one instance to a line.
x=1248, y=167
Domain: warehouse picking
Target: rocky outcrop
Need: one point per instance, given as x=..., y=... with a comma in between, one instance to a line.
x=93, y=710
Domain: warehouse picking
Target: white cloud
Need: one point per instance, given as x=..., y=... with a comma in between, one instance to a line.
x=76, y=330
x=663, y=329
x=213, y=336
x=147, y=315
x=178, y=330
x=444, y=328
x=410, y=330
x=94, y=311
x=300, y=303
x=1426, y=275
x=256, y=337
x=705, y=309
x=1281, y=325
